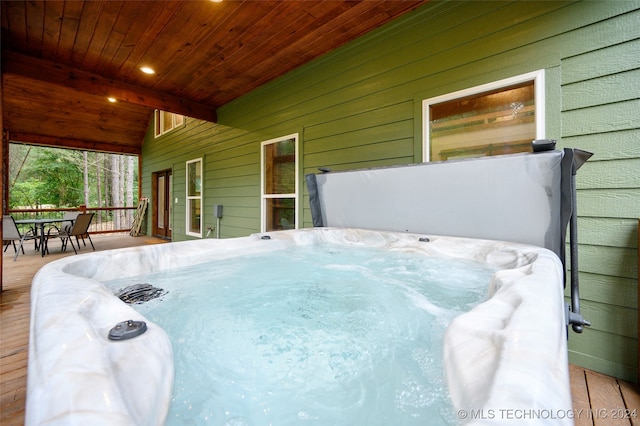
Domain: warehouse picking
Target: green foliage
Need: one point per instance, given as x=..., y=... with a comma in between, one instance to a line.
x=60, y=177
x=23, y=194
x=49, y=176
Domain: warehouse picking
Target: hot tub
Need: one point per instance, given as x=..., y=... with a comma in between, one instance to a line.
x=505, y=360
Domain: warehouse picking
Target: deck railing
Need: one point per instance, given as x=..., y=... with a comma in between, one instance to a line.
x=106, y=219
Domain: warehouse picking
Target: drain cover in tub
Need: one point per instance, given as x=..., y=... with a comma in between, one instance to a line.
x=127, y=329
x=139, y=293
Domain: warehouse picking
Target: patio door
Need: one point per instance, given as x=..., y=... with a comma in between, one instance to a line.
x=162, y=204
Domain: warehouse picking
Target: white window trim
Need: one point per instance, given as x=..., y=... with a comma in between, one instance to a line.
x=188, y=198
x=157, y=127
x=539, y=96
x=263, y=196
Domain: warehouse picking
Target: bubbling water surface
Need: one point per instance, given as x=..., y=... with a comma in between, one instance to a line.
x=312, y=335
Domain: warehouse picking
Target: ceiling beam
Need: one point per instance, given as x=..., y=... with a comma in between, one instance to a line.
x=57, y=142
x=61, y=75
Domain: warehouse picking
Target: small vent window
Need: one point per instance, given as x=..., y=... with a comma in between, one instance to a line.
x=166, y=122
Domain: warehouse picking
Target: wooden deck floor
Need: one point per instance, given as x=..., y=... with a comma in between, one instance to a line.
x=598, y=400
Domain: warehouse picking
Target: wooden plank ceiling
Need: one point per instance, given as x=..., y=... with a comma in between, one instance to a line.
x=62, y=59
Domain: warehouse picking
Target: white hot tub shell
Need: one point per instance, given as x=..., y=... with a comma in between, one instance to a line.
x=507, y=357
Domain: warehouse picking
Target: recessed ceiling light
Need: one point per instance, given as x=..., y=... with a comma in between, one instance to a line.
x=147, y=70
x=112, y=100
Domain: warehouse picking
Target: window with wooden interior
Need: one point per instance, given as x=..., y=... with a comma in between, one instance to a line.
x=279, y=183
x=501, y=117
x=194, y=198
x=166, y=121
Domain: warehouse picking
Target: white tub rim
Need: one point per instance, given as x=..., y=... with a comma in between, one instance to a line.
x=523, y=260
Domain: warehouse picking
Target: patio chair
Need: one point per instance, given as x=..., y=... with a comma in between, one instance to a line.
x=11, y=234
x=68, y=219
x=80, y=228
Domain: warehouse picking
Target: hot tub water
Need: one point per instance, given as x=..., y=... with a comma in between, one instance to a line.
x=321, y=334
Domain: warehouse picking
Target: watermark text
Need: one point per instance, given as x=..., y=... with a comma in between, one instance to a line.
x=546, y=414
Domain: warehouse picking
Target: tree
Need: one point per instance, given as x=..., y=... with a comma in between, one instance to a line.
x=130, y=178
x=17, y=159
x=68, y=178
x=48, y=177
x=85, y=163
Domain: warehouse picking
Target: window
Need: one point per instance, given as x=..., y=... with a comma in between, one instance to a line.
x=279, y=184
x=194, y=198
x=166, y=122
x=496, y=118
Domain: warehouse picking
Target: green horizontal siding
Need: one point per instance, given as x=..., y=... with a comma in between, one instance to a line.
x=608, y=146
x=401, y=151
x=613, y=353
x=613, y=59
x=360, y=106
x=606, y=231
x=598, y=86
x=611, y=319
x=612, y=88
x=602, y=118
x=615, y=203
x=612, y=261
x=614, y=291
x=619, y=174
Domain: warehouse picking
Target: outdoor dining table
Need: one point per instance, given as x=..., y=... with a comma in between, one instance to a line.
x=39, y=225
